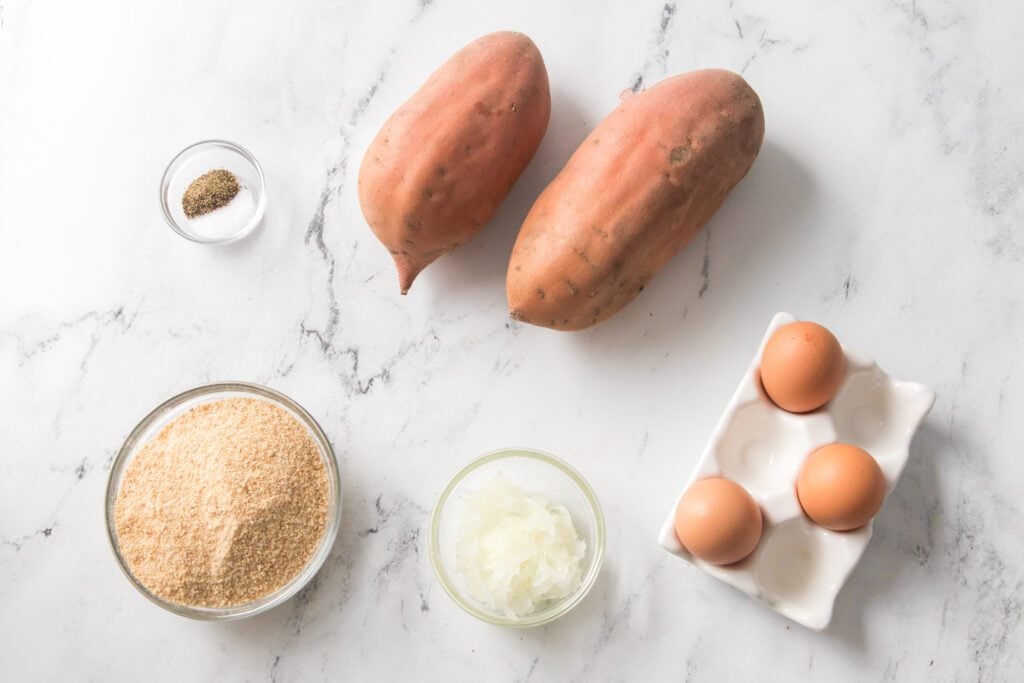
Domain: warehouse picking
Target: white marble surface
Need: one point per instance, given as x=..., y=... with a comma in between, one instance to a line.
x=886, y=203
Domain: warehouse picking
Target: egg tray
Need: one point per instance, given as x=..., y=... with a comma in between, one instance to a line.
x=799, y=567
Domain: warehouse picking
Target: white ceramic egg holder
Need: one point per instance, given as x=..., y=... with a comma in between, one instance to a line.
x=799, y=567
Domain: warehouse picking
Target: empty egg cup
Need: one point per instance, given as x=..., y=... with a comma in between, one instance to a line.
x=799, y=567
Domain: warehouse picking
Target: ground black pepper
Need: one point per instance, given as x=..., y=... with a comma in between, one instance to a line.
x=209, y=191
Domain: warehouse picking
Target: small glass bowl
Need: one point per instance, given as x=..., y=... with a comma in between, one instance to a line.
x=537, y=473
x=229, y=223
x=151, y=425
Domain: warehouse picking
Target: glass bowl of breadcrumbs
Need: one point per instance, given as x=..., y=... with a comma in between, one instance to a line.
x=224, y=501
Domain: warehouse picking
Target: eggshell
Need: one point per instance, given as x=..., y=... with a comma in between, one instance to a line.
x=718, y=521
x=841, y=487
x=802, y=367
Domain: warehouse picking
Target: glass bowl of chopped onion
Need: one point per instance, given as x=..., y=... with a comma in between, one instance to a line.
x=517, y=538
x=152, y=431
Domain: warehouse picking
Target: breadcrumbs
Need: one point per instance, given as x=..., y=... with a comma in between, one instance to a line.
x=224, y=506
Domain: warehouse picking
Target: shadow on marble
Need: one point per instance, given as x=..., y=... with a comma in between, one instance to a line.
x=896, y=561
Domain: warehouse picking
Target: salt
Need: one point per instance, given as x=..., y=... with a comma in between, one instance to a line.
x=227, y=220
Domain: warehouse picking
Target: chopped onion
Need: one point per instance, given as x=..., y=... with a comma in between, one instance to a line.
x=517, y=551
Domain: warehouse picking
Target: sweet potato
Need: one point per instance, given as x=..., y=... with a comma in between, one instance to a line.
x=446, y=159
x=633, y=194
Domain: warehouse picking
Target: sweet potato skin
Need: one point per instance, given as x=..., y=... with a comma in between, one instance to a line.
x=634, y=193
x=442, y=164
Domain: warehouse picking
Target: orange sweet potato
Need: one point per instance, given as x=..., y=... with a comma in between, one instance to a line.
x=446, y=159
x=633, y=194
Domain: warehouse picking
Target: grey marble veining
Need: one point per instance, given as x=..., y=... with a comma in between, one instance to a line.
x=886, y=203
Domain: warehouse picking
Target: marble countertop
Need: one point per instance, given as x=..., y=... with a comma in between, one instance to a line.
x=886, y=203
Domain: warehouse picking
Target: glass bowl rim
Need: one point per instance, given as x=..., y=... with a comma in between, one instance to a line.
x=261, y=204
x=557, y=610
x=323, y=548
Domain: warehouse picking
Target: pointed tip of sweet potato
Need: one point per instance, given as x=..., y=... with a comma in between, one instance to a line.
x=407, y=272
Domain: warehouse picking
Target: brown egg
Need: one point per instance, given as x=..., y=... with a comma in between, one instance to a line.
x=841, y=487
x=802, y=367
x=717, y=521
